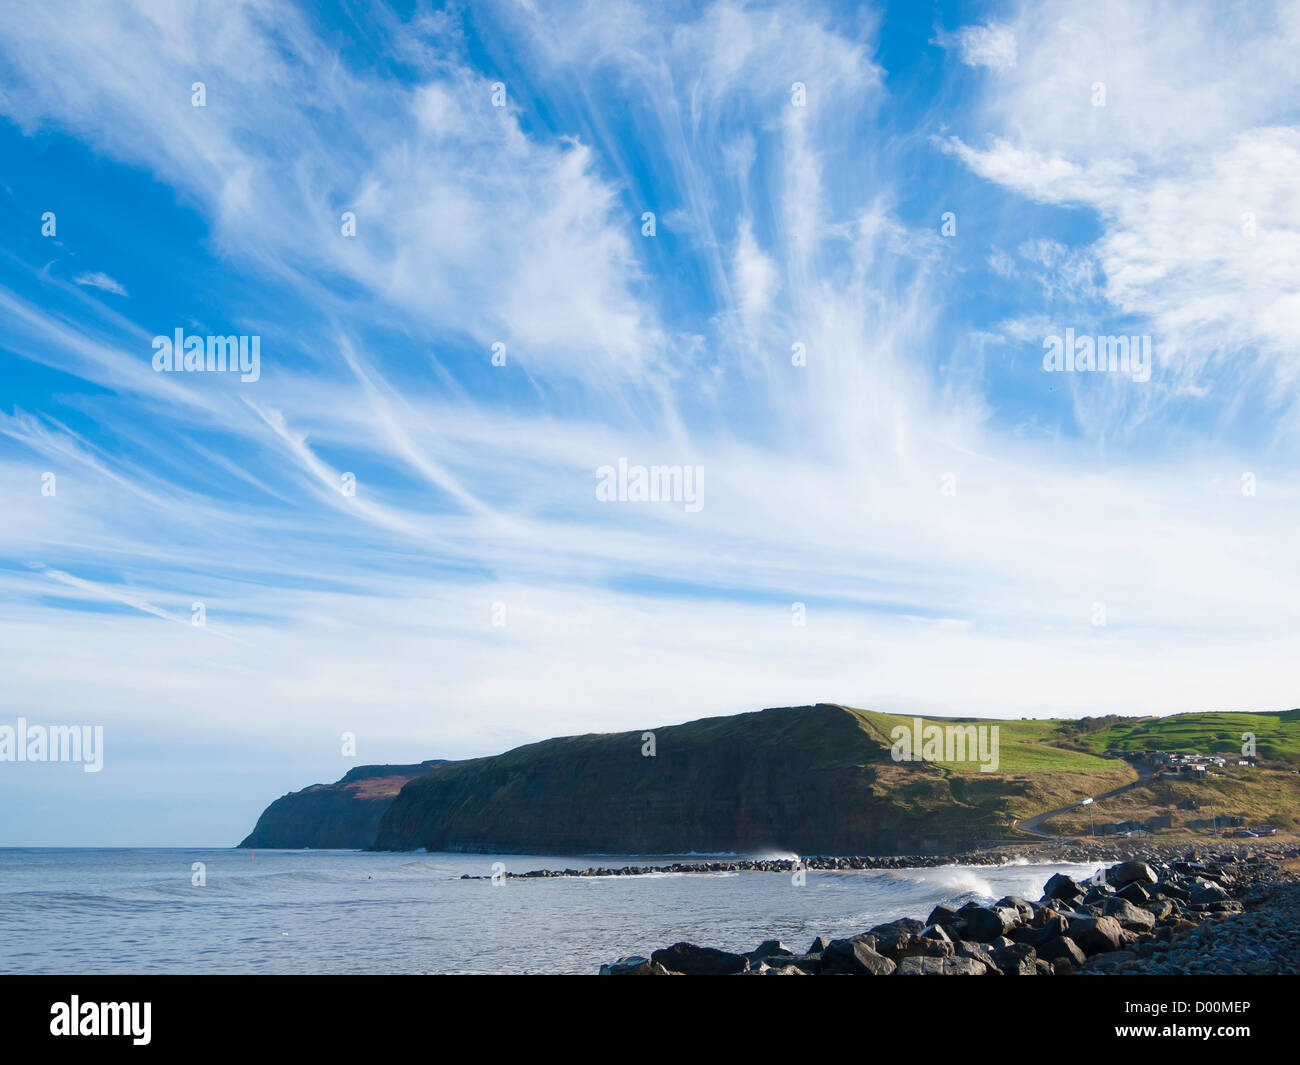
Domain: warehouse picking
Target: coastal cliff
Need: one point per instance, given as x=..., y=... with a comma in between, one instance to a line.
x=812, y=779
x=345, y=814
x=806, y=779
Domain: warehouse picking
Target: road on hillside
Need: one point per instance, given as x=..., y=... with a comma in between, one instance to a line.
x=1030, y=824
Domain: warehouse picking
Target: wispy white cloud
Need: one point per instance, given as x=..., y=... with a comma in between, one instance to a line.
x=988, y=44
x=779, y=224
x=103, y=281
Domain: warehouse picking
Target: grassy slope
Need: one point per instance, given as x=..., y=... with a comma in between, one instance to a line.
x=1277, y=735
x=1023, y=746
x=1036, y=771
x=1260, y=796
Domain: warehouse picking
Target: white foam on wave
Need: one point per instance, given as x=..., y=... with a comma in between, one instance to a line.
x=954, y=880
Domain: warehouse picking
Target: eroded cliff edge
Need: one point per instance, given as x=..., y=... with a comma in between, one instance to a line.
x=345, y=814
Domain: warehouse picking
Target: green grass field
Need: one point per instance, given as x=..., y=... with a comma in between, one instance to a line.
x=1277, y=736
x=1024, y=746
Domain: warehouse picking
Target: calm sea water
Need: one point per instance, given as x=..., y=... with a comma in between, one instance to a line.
x=136, y=911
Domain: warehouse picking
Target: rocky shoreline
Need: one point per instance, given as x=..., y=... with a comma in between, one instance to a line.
x=1063, y=852
x=1224, y=908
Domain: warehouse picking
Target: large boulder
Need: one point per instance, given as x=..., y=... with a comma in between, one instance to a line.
x=1128, y=915
x=942, y=915
x=1103, y=963
x=1174, y=890
x=1136, y=893
x=936, y=931
x=987, y=923
x=1043, y=916
x=809, y=963
x=1097, y=894
x=1063, y=888
x=634, y=965
x=1208, y=891
x=854, y=957
x=958, y=966
x=1017, y=960
x=1096, y=935
x=909, y=946
x=1130, y=873
x=1160, y=908
x=1023, y=907
x=968, y=948
x=887, y=937
x=1062, y=947
x=691, y=960
x=769, y=949
x=784, y=970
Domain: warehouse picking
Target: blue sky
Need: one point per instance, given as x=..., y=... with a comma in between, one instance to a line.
x=949, y=513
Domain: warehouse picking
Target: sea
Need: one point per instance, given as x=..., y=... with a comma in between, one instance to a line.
x=172, y=910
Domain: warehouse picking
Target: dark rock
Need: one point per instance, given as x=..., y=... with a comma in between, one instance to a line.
x=856, y=957
x=1062, y=887
x=888, y=935
x=809, y=963
x=958, y=966
x=1043, y=916
x=966, y=948
x=987, y=924
x=769, y=948
x=1135, y=893
x=1023, y=907
x=818, y=945
x=1174, y=891
x=1208, y=891
x=635, y=966
x=1096, y=935
x=1110, y=962
x=909, y=946
x=1129, y=916
x=1098, y=894
x=1062, y=947
x=1129, y=873
x=942, y=915
x=1017, y=960
x=691, y=960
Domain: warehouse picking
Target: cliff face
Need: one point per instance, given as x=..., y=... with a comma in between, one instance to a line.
x=814, y=780
x=345, y=814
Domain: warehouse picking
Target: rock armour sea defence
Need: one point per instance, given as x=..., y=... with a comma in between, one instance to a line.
x=1187, y=915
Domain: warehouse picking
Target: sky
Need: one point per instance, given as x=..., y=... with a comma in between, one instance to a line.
x=812, y=254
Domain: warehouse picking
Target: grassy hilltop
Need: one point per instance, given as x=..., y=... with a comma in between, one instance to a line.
x=1277, y=734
